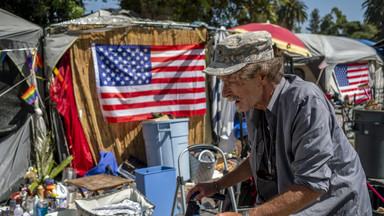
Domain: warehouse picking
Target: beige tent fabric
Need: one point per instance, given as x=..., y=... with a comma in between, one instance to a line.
x=123, y=139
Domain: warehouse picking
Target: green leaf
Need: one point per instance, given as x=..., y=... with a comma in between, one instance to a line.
x=49, y=168
x=61, y=166
x=33, y=186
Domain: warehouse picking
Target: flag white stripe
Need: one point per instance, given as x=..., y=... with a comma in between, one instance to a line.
x=356, y=67
x=358, y=73
x=351, y=97
x=150, y=98
x=161, y=86
x=177, y=53
x=176, y=63
x=145, y=110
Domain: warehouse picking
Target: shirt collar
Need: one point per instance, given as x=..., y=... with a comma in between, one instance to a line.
x=273, y=105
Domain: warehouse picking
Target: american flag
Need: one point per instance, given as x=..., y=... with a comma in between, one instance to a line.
x=135, y=80
x=349, y=77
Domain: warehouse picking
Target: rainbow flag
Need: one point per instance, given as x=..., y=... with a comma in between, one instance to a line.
x=30, y=95
x=38, y=63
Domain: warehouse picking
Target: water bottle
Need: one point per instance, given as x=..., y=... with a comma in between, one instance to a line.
x=18, y=210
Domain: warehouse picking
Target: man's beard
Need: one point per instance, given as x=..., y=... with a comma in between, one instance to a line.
x=235, y=98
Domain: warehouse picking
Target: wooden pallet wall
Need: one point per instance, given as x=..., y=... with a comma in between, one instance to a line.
x=123, y=139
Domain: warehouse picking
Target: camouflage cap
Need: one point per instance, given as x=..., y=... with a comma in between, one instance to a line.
x=236, y=51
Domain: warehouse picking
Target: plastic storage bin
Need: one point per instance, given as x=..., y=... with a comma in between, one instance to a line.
x=158, y=184
x=164, y=141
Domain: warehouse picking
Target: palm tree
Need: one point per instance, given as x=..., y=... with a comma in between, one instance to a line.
x=291, y=13
x=374, y=14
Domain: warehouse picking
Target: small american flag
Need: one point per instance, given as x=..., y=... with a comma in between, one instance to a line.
x=135, y=80
x=349, y=77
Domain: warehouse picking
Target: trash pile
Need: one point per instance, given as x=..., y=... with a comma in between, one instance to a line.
x=37, y=199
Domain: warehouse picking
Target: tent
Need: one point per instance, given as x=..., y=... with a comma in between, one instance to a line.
x=374, y=45
x=329, y=51
x=17, y=38
x=75, y=38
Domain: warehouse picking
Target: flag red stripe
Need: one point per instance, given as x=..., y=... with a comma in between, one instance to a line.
x=177, y=80
x=361, y=100
x=178, y=47
x=152, y=104
x=360, y=82
x=173, y=58
x=177, y=68
x=349, y=90
x=152, y=92
x=359, y=76
x=357, y=64
x=356, y=70
x=148, y=115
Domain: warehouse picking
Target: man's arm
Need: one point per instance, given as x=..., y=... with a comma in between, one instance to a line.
x=288, y=202
x=240, y=174
x=295, y=198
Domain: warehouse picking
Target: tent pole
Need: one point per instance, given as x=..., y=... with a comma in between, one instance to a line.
x=33, y=75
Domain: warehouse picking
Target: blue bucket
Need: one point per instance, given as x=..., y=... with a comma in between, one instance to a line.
x=158, y=184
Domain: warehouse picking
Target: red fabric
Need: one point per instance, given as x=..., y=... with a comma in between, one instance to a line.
x=62, y=94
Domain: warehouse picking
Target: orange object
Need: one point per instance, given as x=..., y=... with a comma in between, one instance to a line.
x=50, y=187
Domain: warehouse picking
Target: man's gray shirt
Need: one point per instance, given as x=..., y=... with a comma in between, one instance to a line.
x=310, y=149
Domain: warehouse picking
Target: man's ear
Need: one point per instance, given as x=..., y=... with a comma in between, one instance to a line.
x=263, y=78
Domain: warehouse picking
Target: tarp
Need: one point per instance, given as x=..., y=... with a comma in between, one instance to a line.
x=13, y=111
x=15, y=150
x=17, y=38
x=16, y=33
x=337, y=50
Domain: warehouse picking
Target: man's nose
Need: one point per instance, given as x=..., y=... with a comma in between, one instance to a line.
x=226, y=91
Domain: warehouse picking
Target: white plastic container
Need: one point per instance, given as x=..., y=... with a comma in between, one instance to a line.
x=18, y=211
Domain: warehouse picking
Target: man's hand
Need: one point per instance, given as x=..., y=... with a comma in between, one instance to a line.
x=229, y=214
x=205, y=189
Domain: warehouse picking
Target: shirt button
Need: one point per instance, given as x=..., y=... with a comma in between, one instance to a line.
x=260, y=153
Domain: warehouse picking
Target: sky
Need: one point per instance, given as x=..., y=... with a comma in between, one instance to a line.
x=95, y=5
x=352, y=9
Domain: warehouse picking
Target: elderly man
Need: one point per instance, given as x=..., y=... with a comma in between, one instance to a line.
x=300, y=158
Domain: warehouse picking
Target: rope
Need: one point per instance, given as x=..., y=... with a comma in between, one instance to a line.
x=20, y=49
x=3, y=93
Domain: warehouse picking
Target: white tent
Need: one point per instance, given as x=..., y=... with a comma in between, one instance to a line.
x=329, y=51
